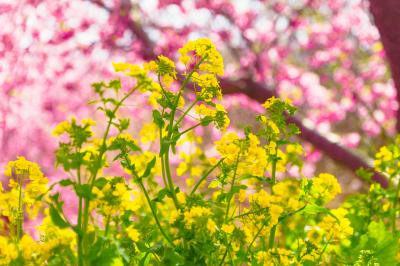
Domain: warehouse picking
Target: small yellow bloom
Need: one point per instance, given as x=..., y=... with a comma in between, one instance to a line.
x=133, y=234
x=228, y=228
x=211, y=226
x=181, y=197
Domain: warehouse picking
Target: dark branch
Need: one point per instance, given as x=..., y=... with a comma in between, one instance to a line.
x=260, y=93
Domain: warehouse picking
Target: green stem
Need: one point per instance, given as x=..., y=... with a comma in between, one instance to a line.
x=103, y=149
x=79, y=226
x=226, y=253
x=20, y=213
x=169, y=179
x=205, y=176
x=140, y=182
x=272, y=237
x=170, y=131
x=107, y=228
x=395, y=201
x=163, y=164
x=254, y=238
x=232, y=185
x=189, y=129
x=186, y=112
x=273, y=229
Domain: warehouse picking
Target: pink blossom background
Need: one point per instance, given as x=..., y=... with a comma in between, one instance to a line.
x=323, y=54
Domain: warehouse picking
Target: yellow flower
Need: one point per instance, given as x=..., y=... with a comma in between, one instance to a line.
x=275, y=211
x=181, y=197
x=182, y=168
x=228, y=148
x=148, y=133
x=263, y=258
x=338, y=226
x=268, y=103
x=228, y=228
x=133, y=234
x=325, y=187
x=204, y=50
x=242, y=195
x=211, y=226
x=61, y=128
x=203, y=110
x=195, y=212
x=164, y=67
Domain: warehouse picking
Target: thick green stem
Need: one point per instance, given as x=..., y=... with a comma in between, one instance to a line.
x=171, y=125
x=170, y=182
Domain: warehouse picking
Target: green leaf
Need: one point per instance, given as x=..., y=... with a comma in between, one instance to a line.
x=100, y=182
x=161, y=195
x=66, y=182
x=157, y=118
x=123, y=124
x=149, y=167
x=57, y=219
x=315, y=209
x=115, y=84
x=106, y=257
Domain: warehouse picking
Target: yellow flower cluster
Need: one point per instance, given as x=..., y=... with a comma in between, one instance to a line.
x=66, y=127
x=218, y=115
x=277, y=256
x=387, y=159
x=336, y=227
x=250, y=157
x=148, y=133
x=54, y=237
x=202, y=51
x=263, y=199
x=27, y=180
x=195, y=212
x=164, y=67
x=325, y=187
x=141, y=160
x=115, y=198
x=133, y=233
x=248, y=214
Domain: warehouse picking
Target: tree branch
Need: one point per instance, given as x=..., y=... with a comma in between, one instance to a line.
x=336, y=152
x=260, y=93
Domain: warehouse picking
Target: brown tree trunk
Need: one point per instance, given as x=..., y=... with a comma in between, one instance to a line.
x=386, y=15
